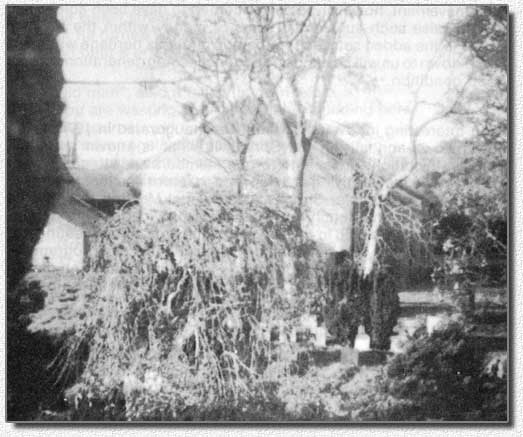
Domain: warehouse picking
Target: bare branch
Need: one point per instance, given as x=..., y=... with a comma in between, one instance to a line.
x=325, y=75
x=415, y=132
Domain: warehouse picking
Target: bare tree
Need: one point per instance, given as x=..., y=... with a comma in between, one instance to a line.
x=209, y=58
x=382, y=190
x=280, y=60
x=296, y=56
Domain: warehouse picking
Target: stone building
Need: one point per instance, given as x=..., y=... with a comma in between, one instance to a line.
x=86, y=198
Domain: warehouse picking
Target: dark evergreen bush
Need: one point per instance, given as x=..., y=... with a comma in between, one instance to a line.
x=352, y=301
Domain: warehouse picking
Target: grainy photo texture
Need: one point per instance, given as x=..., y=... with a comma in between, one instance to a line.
x=257, y=213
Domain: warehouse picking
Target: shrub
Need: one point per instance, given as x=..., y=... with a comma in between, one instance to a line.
x=442, y=374
x=313, y=396
x=367, y=397
x=336, y=392
x=471, y=252
x=30, y=383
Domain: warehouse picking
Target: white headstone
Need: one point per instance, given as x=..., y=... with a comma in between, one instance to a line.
x=362, y=341
x=321, y=337
x=433, y=323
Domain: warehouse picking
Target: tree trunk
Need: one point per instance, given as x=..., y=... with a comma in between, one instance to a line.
x=470, y=297
x=241, y=168
x=370, y=256
x=296, y=168
x=295, y=173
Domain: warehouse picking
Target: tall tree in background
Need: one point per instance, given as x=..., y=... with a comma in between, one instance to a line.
x=477, y=186
x=484, y=32
x=275, y=61
x=34, y=109
x=208, y=54
x=475, y=192
x=294, y=47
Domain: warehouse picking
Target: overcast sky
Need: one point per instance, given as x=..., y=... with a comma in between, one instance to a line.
x=132, y=121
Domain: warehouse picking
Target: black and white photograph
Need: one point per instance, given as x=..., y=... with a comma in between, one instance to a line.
x=257, y=213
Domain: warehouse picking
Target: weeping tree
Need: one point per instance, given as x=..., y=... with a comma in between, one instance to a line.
x=181, y=308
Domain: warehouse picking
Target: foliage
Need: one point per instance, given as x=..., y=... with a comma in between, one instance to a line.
x=336, y=392
x=184, y=303
x=442, y=375
x=30, y=382
x=367, y=397
x=477, y=186
x=484, y=33
x=467, y=258
x=306, y=397
x=474, y=193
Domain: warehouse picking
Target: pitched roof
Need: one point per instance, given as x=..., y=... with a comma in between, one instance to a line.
x=333, y=145
x=340, y=149
x=85, y=184
x=79, y=213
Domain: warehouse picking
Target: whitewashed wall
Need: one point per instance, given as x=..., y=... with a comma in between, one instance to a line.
x=62, y=242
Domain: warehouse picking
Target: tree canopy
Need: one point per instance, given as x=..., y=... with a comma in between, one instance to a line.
x=477, y=186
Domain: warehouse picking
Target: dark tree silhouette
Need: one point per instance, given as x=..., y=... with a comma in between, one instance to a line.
x=34, y=108
x=34, y=83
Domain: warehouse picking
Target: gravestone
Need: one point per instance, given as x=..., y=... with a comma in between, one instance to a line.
x=362, y=340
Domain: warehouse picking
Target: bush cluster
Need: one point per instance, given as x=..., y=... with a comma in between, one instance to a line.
x=443, y=375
